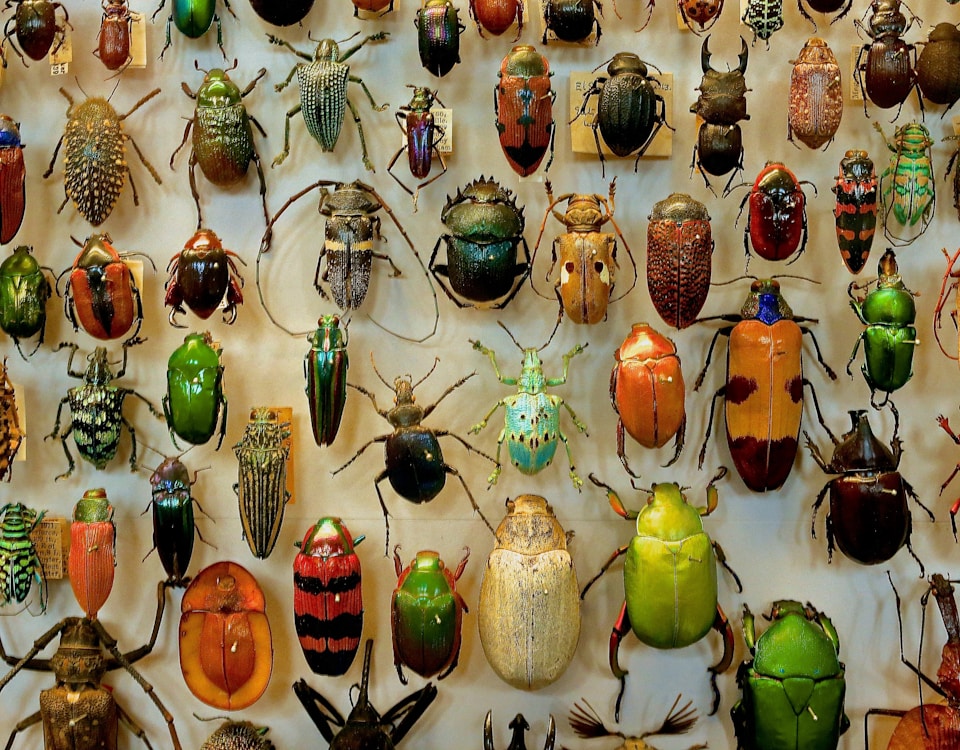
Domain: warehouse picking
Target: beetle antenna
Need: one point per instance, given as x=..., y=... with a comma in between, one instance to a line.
x=75, y=78
x=733, y=280
x=678, y=721
x=234, y=67
x=512, y=338
x=115, y=87
x=793, y=276
x=341, y=41
x=605, y=62
x=556, y=327
x=210, y=718
x=196, y=65
x=372, y=362
x=436, y=361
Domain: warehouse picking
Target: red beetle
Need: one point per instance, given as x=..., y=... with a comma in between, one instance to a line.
x=327, y=599
x=777, y=217
x=647, y=392
x=226, y=651
x=496, y=16
x=763, y=395
x=101, y=293
x=92, y=558
x=113, y=46
x=13, y=193
x=702, y=13
x=524, y=109
x=201, y=276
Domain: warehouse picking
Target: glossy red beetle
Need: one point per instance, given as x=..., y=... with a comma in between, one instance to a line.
x=496, y=16
x=777, y=219
x=92, y=558
x=226, y=651
x=202, y=276
x=113, y=43
x=13, y=194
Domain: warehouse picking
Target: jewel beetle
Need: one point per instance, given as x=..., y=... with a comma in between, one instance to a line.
x=412, y=457
x=13, y=174
x=113, y=39
x=647, y=392
x=763, y=395
x=325, y=370
x=438, y=36
x=571, y=20
x=587, y=255
x=222, y=142
x=34, y=24
x=529, y=608
x=496, y=16
x=869, y=518
x=327, y=596
x=856, y=208
x=519, y=727
x=523, y=109
x=776, y=223
x=908, y=186
x=92, y=560
x=426, y=615
x=816, y=95
x=889, y=340
x=885, y=67
x=194, y=405
x=793, y=688
x=193, y=18
x=679, y=258
x=485, y=230
x=203, y=276
x=174, y=526
x=421, y=135
x=669, y=578
x=938, y=66
x=20, y=565
x=226, y=650
x=364, y=727
x=11, y=431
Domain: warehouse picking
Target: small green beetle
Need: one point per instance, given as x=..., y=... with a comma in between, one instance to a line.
x=195, y=391
x=794, y=687
x=24, y=291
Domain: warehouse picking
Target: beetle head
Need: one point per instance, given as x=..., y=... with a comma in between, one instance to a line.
x=327, y=50
x=98, y=370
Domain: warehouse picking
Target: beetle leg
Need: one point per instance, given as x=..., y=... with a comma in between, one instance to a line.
x=21, y=726
x=192, y=173
x=722, y=625
x=476, y=508
x=383, y=506
x=725, y=331
x=713, y=404
x=186, y=131
x=620, y=628
x=910, y=546
x=619, y=552
x=816, y=407
x=356, y=118
x=877, y=712
x=53, y=160
x=622, y=450
x=405, y=713
x=320, y=710
x=816, y=348
x=386, y=257
x=678, y=442
x=427, y=410
x=722, y=559
x=279, y=158
x=130, y=724
x=153, y=409
x=143, y=159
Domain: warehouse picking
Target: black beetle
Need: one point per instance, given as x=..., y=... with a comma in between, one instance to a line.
x=413, y=460
x=364, y=727
x=938, y=66
x=438, y=36
x=571, y=20
x=35, y=24
x=840, y=7
x=885, y=68
x=282, y=12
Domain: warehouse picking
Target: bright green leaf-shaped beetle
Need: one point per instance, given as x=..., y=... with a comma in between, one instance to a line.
x=195, y=391
x=793, y=690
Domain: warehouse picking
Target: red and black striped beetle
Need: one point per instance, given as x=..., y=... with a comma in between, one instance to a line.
x=856, y=208
x=777, y=218
x=113, y=41
x=327, y=598
x=13, y=192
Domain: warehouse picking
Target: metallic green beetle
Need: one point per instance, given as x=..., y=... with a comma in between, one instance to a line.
x=325, y=369
x=20, y=564
x=794, y=687
x=531, y=417
x=907, y=186
x=890, y=339
x=195, y=391
x=24, y=291
x=193, y=18
x=669, y=577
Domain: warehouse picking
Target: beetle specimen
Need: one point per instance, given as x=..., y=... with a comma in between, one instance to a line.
x=194, y=403
x=588, y=257
x=92, y=560
x=930, y=726
x=907, y=185
x=531, y=416
x=364, y=727
x=20, y=565
x=325, y=370
x=421, y=136
x=496, y=16
x=571, y=20
x=284, y=13
x=816, y=95
x=174, y=528
x=96, y=411
x=226, y=650
x=528, y=612
x=222, y=137
x=587, y=724
x=669, y=578
x=630, y=112
x=519, y=726
x=764, y=18
x=885, y=68
x=238, y=735
x=204, y=277
x=327, y=597
x=856, y=208
x=523, y=107
x=485, y=230
x=950, y=284
x=700, y=15
x=777, y=217
x=78, y=707
x=869, y=518
x=11, y=433
x=938, y=66
x=438, y=36
x=413, y=460
x=13, y=192
x=35, y=26
x=113, y=39
x=323, y=81
x=194, y=18
x=840, y=7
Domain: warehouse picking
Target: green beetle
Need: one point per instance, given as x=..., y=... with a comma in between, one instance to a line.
x=24, y=291
x=890, y=339
x=325, y=369
x=669, y=578
x=194, y=397
x=794, y=687
x=427, y=612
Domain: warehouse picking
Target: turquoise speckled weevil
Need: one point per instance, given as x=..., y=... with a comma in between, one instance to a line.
x=532, y=417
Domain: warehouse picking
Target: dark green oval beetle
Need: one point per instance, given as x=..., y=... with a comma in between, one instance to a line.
x=24, y=291
x=194, y=397
x=193, y=19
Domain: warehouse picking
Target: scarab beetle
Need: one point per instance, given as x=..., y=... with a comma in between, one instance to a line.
x=96, y=411
x=95, y=164
x=519, y=727
x=816, y=95
x=11, y=432
x=325, y=370
x=763, y=395
x=364, y=727
x=485, y=231
x=679, y=258
x=426, y=615
x=647, y=392
x=869, y=518
x=438, y=36
x=630, y=111
x=413, y=460
x=523, y=108
x=174, y=528
x=226, y=650
x=938, y=66
x=889, y=340
x=800, y=648
x=93, y=558
x=908, y=185
x=420, y=137
x=776, y=223
x=34, y=23
x=531, y=416
x=587, y=256
x=113, y=40
x=669, y=578
x=20, y=565
x=856, y=208
x=222, y=142
x=193, y=19
x=101, y=293
x=885, y=68
x=194, y=405
x=13, y=173
x=203, y=276
x=323, y=81
x=285, y=13
x=496, y=16
x=327, y=598
x=571, y=20
x=529, y=611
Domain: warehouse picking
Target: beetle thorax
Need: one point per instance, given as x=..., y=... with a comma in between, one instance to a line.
x=327, y=50
x=531, y=378
x=583, y=214
x=218, y=90
x=406, y=412
x=78, y=659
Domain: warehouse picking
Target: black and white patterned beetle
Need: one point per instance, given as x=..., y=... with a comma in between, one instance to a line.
x=764, y=17
x=323, y=83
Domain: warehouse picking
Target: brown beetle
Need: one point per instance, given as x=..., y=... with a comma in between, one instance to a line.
x=938, y=65
x=816, y=95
